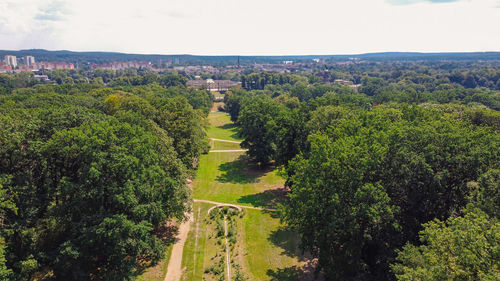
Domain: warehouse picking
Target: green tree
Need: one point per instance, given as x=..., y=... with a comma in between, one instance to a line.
x=258, y=127
x=337, y=211
x=185, y=126
x=462, y=248
x=111, y=189
x=485, y=193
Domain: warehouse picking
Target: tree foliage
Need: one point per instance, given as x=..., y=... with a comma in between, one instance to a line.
x=89, y=175
x=461, y=248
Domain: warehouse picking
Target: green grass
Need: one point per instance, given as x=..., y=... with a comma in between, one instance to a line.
x=264, y=250
x=221, y=145
x=217, y=94
x=222, y=127
x=195, y=258
x=227, y=177
x=272, y=251
x=216, y=105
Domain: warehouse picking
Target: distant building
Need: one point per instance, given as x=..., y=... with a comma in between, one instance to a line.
x=42, y=78
x=10, y=61
x=288, y=62
x=5, y=68
x=342, y=82
x=355, y=86
x=213, y=85
x=29, y=60
x=123, y=65
x=53, y=65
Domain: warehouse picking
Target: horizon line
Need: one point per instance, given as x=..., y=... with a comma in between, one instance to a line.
x=259, y=55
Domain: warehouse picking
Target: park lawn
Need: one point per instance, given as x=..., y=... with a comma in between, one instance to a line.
x=272, y=251
x=229, y=178
x=221, y=127
x=196, y=254
x=216, y=106
x=217, y=94
x=222, y=145
x=264, y=250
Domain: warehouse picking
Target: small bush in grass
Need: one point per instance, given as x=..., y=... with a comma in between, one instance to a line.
x=220, y=228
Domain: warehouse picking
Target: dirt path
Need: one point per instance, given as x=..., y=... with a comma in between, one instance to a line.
x=241, y=206
x=228, y=265
x=231, y=141
x=174, y=269
x=196, y=229
x=234, y=150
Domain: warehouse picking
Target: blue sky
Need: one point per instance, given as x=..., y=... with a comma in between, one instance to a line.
x=257, y=27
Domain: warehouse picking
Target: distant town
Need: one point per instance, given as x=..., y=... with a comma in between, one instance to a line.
x=199, y=75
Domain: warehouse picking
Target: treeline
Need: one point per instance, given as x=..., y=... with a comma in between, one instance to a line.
x=90, y=174
x=112, y=78
x=381, y=191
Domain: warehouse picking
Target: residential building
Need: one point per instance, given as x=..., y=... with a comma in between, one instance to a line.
x=29, y=60
x=214, y=85
x=5, y=68
x=124, y=65
x=53, y=65
x=10, y=61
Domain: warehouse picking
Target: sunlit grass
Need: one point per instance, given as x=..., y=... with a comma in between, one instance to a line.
x=222, y=127
x=226, y=177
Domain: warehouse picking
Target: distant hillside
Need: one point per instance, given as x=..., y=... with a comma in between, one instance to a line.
x=83, y=58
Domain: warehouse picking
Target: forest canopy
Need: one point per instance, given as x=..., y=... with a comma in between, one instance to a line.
x=391, y=167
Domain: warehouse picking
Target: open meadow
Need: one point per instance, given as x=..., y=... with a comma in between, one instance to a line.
x=262, y=248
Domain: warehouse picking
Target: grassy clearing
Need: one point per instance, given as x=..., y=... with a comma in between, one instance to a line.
x=222, y=127
x=217, y=94
x=204, y=251
x=221, y=145
x=272, y=252
x=228, y=177
x=216, y=105
x=262, y=249
x=196, y=250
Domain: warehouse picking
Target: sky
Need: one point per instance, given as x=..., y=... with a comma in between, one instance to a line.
x=256, y=27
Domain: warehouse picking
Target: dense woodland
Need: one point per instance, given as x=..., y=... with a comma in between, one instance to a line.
x=399, y=179
x=89, y=174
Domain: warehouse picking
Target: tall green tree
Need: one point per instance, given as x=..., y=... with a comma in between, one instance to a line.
x=110, y=189
x=334, y=206
x=258, y=126
x=460, y=248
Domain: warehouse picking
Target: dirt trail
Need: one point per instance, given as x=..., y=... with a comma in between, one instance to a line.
x=231, y=141
x=241, y=206
x=234, y=150
x=196, y=229
x=174, y=269
x=228, y=264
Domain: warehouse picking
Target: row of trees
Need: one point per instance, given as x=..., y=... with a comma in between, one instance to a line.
x=89, y=175
x=97, y=77
x=379, y=192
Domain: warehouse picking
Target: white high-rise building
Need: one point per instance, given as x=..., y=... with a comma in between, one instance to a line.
x=29, y=60
x=11, y=61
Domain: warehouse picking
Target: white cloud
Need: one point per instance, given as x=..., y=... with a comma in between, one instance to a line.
x=250, y=27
